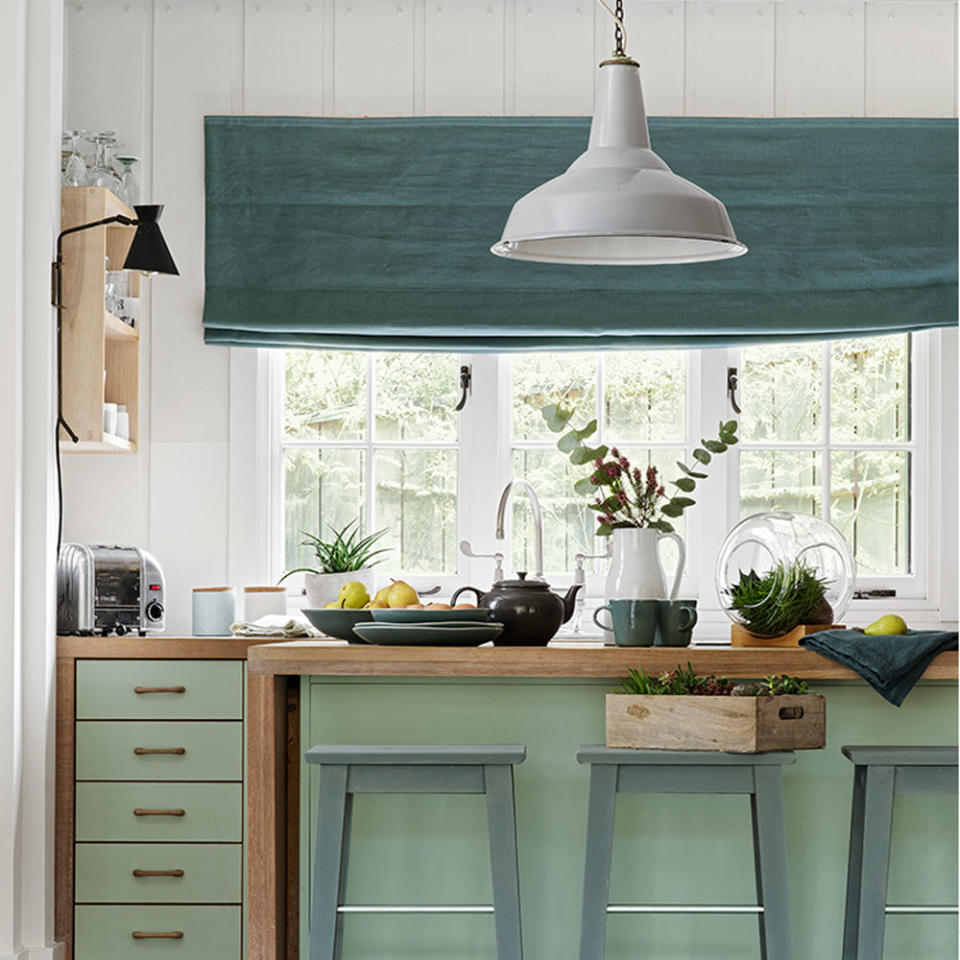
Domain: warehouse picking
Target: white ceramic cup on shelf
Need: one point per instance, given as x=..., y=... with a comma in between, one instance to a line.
x=264, y=601
x=214, y=611
x=110, y=418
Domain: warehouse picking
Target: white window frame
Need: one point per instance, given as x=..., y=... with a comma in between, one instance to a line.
x=927, y=596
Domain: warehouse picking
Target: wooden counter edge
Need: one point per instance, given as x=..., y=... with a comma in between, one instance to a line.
x=324, y=659
x=157, y=648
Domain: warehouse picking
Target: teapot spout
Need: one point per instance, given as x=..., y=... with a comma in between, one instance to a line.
x=569, y=600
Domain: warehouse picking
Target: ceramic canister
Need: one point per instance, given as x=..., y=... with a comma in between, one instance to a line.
x=214, y=611
x=263, y=601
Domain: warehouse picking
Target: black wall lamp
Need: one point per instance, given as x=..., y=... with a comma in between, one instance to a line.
x=148, y=254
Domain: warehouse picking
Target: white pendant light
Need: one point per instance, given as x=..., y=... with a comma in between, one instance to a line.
x=618, y=203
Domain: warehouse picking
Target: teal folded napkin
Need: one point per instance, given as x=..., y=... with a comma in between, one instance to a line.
x=890, y=664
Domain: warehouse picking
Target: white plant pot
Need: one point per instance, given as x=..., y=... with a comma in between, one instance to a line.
x=323, y=588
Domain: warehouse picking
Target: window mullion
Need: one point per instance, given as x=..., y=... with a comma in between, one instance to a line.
x=369, y=478
x=826, y=416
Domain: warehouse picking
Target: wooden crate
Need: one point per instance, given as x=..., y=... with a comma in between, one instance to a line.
x=730, y=724
x=741, y=637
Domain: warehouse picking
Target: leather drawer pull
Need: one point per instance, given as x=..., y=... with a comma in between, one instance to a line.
x=171, y=935
x=159, y=689
x=151, y=751
x=158, y=873
x=140, y=812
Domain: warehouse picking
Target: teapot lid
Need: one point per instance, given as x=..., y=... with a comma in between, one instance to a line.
x=522, y=583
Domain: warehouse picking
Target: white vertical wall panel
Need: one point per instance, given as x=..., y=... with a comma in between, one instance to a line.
x=105, y=89
x=374, y=65
x=554, y=57
x=283, y=57
x=197, y=72
x=655, y=39
x=463, y=57
x=911, y=58
x=729, y=59
x=819, y=58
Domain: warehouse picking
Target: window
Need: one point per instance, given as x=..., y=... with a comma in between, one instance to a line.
x=839, y=429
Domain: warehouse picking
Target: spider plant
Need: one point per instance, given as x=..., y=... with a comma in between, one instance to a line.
x=347, y=551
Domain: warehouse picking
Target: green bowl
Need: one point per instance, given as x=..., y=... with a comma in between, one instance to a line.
x=399, y=615
x=339, y=623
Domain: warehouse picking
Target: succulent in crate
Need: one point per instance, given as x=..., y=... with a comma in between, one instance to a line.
x=685, y=682
x=773, y=603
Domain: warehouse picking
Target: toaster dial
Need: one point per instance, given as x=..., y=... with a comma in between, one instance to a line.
x=154, y=611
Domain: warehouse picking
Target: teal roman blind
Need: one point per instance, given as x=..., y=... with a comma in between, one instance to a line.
x=375, y=234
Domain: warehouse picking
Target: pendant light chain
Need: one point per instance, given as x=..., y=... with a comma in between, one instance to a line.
x=619, y=31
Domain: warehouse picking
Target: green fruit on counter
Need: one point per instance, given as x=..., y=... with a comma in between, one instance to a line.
x=353, y=595
x=886, y=626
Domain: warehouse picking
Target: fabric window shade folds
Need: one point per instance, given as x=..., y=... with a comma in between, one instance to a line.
x=374, y=234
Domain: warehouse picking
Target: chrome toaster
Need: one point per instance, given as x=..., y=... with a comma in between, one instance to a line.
x=108, y=589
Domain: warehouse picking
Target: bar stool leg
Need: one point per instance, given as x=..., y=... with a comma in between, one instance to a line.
x=770, y=860
x=502, y=829
x=870, y=827
x=596, y=874
x=329, y=868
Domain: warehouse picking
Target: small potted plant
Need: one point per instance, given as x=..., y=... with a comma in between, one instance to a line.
x=683, y=711
x=346, y=557
x=779, y=606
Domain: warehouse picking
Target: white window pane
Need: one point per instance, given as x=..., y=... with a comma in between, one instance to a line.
x=325, y=395
x=415, y=396
x=644, y=396
x=543, y=378
x=416, y=501
x=870, y=504
x=780, y=393
x=780, y=480
x=323, y=489
x=870, y=390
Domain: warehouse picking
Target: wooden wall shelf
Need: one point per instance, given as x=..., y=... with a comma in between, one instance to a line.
x=101, y=353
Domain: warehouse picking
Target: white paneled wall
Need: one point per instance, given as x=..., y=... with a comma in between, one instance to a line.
x=151, y=69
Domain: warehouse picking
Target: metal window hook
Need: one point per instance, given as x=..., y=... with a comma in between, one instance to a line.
x=466, y=378
x=733, y=382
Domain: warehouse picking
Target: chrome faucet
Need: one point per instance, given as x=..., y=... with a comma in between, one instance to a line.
x=537, y=520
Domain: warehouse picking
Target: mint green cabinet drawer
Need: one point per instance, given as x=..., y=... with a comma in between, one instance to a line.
x=159, y=690
x=205, y=933
x=189, y=812
x=159, y=750
x=158, y=872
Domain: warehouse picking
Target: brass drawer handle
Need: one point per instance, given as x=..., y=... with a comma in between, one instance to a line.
x=151, y=751
x=159, y=689
x=140, y=812
x=158, y=873
x=171, y=935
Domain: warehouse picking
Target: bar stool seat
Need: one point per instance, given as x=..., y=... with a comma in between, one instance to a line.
x=881, y=773
x=758, y=775
x=347, y=769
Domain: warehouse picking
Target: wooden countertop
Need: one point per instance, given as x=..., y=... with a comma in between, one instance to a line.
x=561, y=660
x=156, y=648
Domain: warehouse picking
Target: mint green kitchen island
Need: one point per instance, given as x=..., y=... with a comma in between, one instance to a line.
x=668, y=850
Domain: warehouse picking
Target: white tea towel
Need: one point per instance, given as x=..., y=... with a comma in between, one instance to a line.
x=274, y=625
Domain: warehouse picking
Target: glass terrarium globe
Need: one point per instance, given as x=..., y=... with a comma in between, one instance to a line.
x=777, y=544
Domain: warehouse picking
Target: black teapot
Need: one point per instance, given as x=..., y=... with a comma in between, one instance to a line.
x=530, y=612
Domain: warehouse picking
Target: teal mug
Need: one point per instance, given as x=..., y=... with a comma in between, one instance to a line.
x=675, y=622
x=634, y=622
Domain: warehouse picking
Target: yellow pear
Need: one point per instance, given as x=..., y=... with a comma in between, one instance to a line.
x=886, y=625
x=376, y=604
x=332, y=605
x=381, y=596
x=401, y=594
x=353, y=595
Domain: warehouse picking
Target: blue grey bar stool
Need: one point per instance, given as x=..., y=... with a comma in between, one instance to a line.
x=758, y=775
x=880, y=773
x=347, y=770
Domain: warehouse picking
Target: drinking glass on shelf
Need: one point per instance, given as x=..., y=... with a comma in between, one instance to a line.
x=75, y=170
x=101, y=174
x=129, y=185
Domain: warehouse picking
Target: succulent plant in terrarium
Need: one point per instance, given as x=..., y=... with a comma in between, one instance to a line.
x=774, y=602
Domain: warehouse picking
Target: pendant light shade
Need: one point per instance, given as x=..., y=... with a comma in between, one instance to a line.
x=618, y=203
